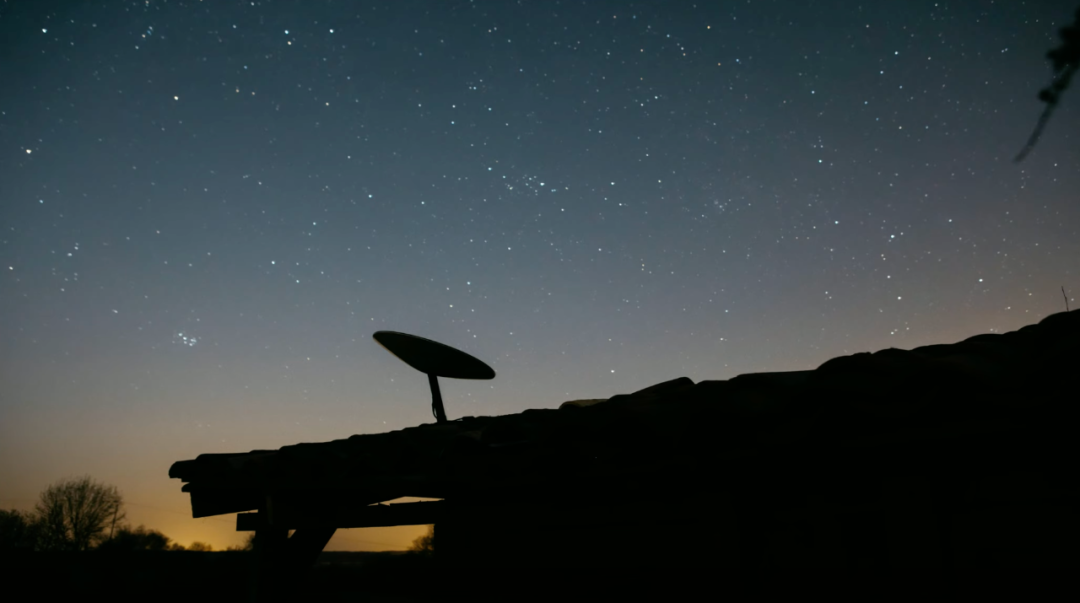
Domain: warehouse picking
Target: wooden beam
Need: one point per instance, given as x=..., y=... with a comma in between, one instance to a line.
x=370, y=516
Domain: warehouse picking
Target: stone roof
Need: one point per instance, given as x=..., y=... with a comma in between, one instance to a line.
x=985, y=384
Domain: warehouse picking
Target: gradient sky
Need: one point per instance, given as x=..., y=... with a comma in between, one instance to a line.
x=207, y=208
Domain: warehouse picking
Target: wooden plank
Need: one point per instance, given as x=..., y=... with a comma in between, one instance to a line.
x=206, y=503
x=371, y=516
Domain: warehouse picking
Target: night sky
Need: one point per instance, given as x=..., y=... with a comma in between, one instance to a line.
x=207, y=208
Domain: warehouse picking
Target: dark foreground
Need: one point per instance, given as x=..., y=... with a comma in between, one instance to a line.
x=216, y=576
x=404, y=577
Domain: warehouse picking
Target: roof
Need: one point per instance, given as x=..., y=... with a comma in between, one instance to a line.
x=675, y=429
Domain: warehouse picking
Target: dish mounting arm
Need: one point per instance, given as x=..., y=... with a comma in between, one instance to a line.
x=436, y=399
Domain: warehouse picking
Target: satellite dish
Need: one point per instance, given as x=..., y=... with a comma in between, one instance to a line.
x=434, y=359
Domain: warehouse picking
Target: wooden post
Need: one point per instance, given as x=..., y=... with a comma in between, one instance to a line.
x=281, y=561
x=266, y=575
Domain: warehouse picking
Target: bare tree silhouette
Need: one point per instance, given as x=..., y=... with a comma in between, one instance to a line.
x=76, y=514
x=137, y=539
x=18, y=531
x=425, y=543
x=1065, y=60
x=248, y=545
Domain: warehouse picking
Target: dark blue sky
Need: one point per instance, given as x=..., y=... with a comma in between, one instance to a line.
x=207, y=208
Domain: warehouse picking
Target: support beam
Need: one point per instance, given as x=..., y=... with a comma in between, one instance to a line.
x=370, y=516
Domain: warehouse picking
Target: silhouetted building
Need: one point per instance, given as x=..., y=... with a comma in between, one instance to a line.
x=944, y=456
